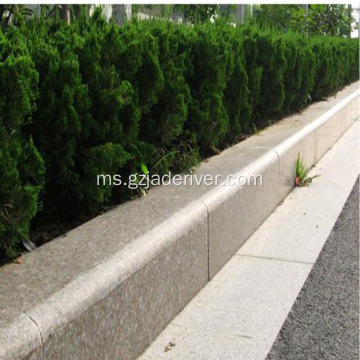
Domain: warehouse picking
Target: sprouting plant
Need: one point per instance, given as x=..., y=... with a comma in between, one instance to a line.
x=145, y=171
x=302, y=178
x=171, y=153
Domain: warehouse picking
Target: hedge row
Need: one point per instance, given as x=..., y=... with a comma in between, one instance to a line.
x=93, y=98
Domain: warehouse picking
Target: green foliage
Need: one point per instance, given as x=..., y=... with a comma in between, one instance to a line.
x=21, y=166
x=332, y=20
x=277, y=17
x=92, y=98
x=163, y=125
x=302, y=177
x=299, y=72
x=237, y=98
x=208, y=119
x=13, y=15
x=326, y=19
x=198, y=13
x=266, y=70
x=336, y=62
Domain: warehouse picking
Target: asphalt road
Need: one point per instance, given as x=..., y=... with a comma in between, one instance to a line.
x=324, y=320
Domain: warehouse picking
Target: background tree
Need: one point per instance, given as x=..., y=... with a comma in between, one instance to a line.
x=332, y=20
x=196, y=13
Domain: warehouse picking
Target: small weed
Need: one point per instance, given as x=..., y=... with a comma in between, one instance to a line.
x=302, y=178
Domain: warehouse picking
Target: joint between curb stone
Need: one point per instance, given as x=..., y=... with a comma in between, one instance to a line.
x=208, y=237
x=37, y=326
x=277, y=155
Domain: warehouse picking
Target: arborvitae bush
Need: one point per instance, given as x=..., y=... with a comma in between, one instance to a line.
x=254, y=71
x=21, y=166
x=298, y=75
x=326, y=76
x=236, y=94
x=208, y=118
x=336, y=64
x=62, y=111
x=163, y=124
x=93, y=98
x=305, y=73
x=271, y=59
x=82, y=100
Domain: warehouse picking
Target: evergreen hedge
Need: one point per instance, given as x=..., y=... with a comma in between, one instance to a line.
x=21, y=166
x=93, y=98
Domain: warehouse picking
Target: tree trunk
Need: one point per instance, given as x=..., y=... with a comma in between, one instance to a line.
x=65, y=13
x=121, y=13
x=240, y=14
x=77, y=11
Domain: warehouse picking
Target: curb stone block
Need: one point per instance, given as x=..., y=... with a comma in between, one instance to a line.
x=235, y=212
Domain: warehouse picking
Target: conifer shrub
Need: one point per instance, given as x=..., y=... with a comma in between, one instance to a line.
x=21, y=165
x=268, y=67
x=208, y=119
x=82, y=99
x=298, y=75
x=236, y=95
x=336, y=64
x=162, y=123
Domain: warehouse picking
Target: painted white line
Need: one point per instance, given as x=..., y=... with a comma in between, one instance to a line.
x=240, y=312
